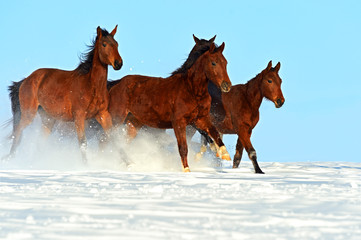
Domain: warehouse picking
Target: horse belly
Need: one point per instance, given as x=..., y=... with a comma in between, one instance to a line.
x=95, y=107
x=58, y=109
x=56, y=106
x=153, y=118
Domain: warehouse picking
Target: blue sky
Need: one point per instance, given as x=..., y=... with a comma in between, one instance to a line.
x=317, y=42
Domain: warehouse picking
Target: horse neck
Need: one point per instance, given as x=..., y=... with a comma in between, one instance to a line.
x=196, y=80
x=98, y=72
x=253, y=91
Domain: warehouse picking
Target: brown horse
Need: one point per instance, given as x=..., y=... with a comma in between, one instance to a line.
x=237, y=111
x=174, y=102
x=200, y=47
x=68, y=95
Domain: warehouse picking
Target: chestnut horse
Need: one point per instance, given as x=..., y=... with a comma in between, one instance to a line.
x=68, y=95
x=237, y=111
x=200, y=47
x=174, y=102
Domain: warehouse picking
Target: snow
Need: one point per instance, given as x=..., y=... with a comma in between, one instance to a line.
x=291, y=201
x=46, y=192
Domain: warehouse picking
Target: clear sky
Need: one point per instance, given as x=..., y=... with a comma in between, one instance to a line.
x=317, y=42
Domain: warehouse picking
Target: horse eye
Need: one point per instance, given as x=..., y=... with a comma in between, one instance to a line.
x=214, y=64
x=270, y=81
x=104, y=44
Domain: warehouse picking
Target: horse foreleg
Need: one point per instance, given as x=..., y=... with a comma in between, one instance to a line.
x=105, y=120
x=180, y=133
x=244, y=134
x=238, y=155
x=79, y=125
x=206, y=126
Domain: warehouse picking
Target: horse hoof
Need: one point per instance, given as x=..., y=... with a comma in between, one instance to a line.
x=6, y=158
x=130, y=166
x=199, y=156
x=186, y=169
x=226, y=157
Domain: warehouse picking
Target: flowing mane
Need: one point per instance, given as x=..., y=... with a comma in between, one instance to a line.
x=196, y=52
x=86, y=59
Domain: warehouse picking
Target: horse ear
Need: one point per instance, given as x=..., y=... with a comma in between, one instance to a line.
x=99, y=32
x=278, y=66
x=212, y=39
x=212, y=48
x=114, y=30
x=196, y=40
x=269, y=66
x=221, y=48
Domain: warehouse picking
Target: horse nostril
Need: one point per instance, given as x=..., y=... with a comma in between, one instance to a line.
x=225, y=86
x=118, y=65
x=279, y=102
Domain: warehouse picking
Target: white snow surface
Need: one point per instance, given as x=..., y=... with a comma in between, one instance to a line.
x=46, y=192
x=291, y=201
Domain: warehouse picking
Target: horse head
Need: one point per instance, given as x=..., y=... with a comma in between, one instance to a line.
x=271, y=84
x=215, y=67
x=108, y=48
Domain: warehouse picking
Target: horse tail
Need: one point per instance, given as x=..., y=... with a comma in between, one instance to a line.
x=15, y=103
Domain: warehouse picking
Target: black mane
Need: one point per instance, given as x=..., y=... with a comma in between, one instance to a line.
x=86, y=59
x=196, y=52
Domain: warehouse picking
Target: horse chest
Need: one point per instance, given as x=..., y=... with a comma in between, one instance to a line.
x=254, y=119
x=96, y=104
x=201, y=108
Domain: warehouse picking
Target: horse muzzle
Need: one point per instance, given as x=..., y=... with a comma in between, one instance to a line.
x=117, y=65
x=279, y=102
x=226, y=86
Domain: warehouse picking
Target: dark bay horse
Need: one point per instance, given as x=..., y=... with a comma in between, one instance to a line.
x=237, y=111
x=174, y=102
x=68, y=95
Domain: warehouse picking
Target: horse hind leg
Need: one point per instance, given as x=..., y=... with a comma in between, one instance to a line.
x=238, y=155
x=47, y=122
x=26, y=118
